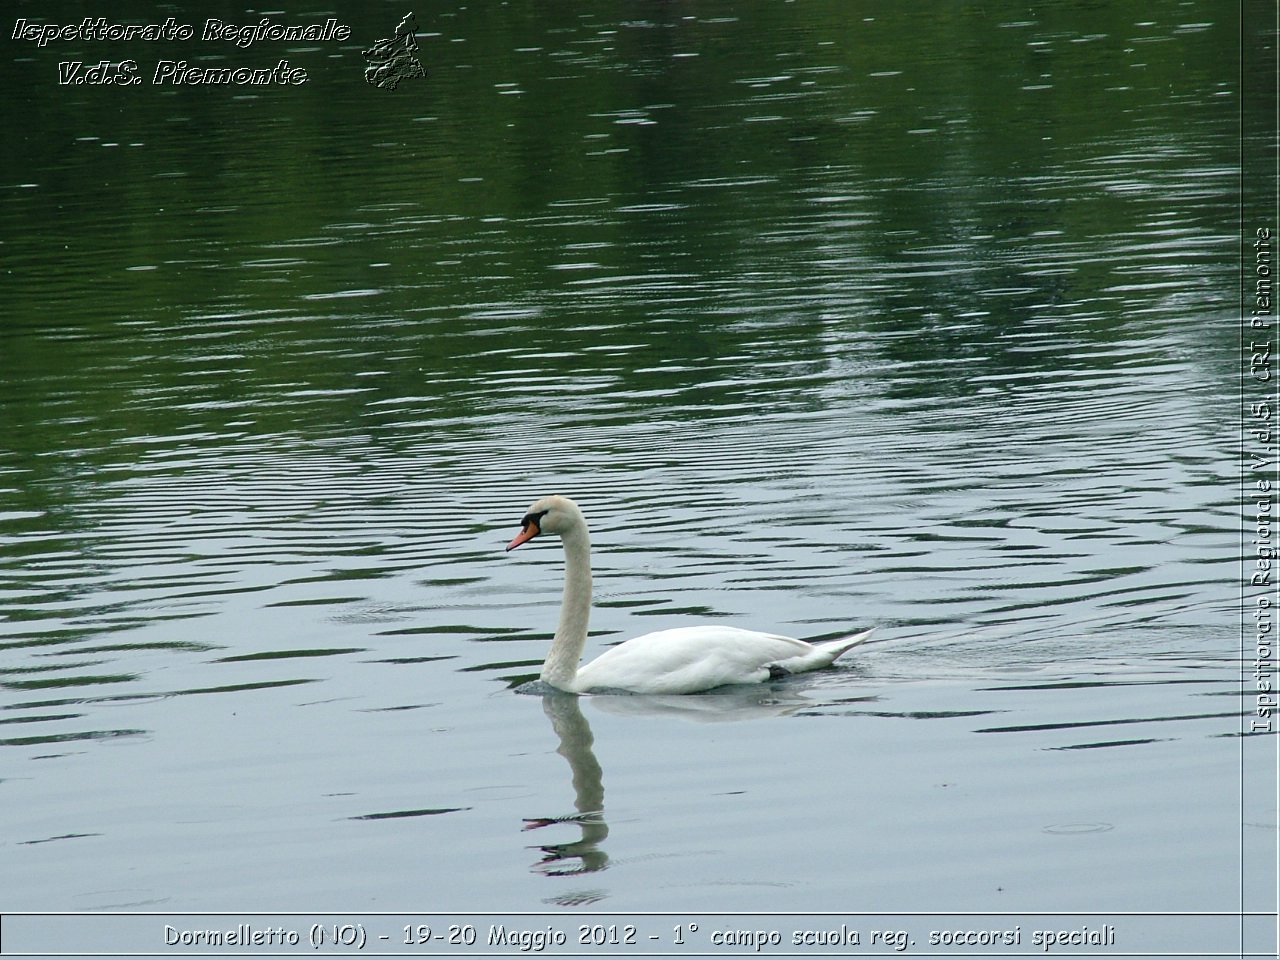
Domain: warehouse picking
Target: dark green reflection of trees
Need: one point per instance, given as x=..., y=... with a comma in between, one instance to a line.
x=688, y=211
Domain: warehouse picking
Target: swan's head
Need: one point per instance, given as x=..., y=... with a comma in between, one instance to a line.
x=554, y=514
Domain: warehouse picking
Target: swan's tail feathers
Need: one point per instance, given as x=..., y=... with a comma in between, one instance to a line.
x=838, y=648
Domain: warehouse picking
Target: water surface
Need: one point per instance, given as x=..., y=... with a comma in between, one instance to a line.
x=828, y=317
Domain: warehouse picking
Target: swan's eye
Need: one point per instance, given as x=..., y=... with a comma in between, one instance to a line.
x=532, y=518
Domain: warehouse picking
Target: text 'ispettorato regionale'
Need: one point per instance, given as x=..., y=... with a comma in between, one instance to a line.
x=127, y=72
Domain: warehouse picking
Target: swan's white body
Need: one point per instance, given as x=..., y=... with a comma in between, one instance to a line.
x=682, y=660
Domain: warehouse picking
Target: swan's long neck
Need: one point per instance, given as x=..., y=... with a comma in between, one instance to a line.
x=561, y=665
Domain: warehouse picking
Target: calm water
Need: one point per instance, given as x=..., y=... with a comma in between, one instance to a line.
x=828, y=315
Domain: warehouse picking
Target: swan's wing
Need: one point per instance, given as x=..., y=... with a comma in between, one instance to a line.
x=689, y=659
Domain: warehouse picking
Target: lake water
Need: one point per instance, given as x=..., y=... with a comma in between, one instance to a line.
x=829, y=315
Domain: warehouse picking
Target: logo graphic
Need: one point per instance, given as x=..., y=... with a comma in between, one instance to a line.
x=395, y=59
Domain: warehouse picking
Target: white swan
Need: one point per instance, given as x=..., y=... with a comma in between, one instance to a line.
x=683, y=660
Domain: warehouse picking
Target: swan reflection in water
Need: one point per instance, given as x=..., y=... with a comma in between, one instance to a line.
x=564, y=710
x=584, y=854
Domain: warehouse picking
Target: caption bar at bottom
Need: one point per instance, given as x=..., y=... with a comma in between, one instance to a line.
x=642, y=935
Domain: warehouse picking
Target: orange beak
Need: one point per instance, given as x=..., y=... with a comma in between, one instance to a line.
x=530, y=531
